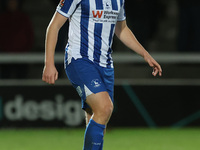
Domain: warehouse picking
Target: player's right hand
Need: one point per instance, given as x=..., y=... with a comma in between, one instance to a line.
x=50, y=74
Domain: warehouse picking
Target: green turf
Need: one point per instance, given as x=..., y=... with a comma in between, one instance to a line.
x=115, y=139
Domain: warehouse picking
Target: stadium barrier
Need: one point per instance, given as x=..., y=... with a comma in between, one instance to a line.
x=166, y=58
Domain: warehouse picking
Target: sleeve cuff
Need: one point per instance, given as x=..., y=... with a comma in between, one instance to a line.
x=62, y=13
x=121, y=19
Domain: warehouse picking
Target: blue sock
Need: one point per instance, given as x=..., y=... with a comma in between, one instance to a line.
x=101, y=147
x=93, y=136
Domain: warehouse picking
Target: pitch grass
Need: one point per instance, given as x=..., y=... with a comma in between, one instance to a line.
x=115, y=139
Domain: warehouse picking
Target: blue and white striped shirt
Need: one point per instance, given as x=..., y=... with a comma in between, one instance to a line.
x=91, y=30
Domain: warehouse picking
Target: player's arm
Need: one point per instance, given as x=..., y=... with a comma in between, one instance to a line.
x=127, y=37
x=50, y=74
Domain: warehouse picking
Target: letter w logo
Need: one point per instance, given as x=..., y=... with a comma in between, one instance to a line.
x=98, y=14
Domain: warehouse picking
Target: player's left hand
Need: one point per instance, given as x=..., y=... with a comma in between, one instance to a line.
x=152, y=63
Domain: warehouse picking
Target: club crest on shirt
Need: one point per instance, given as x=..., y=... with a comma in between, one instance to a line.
x=107, y=4
x=96, y=83
x=62, y=3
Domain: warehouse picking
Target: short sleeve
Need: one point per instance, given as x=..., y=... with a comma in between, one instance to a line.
x=122, y=13
x=67, y=7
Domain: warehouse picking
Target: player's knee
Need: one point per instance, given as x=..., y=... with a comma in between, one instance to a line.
x=103, y=113
x=109, y=108
x=102, y=106
x=106, y=110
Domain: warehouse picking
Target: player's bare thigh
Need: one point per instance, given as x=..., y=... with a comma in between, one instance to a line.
x=101, y=105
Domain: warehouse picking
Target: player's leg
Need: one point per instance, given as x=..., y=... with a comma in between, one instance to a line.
x=88, y=115
x=88, y=79
x=101, y=105
x=102, y=108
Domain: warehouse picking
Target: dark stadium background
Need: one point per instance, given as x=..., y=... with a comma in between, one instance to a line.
x=168, y=101
x=151, y=113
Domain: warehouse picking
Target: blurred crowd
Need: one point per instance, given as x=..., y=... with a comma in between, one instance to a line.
x=189, y=31
x=144, y=17
x=16, y=36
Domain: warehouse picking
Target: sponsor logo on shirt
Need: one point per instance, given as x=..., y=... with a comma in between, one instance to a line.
x=97, y=14
x=105, y=16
